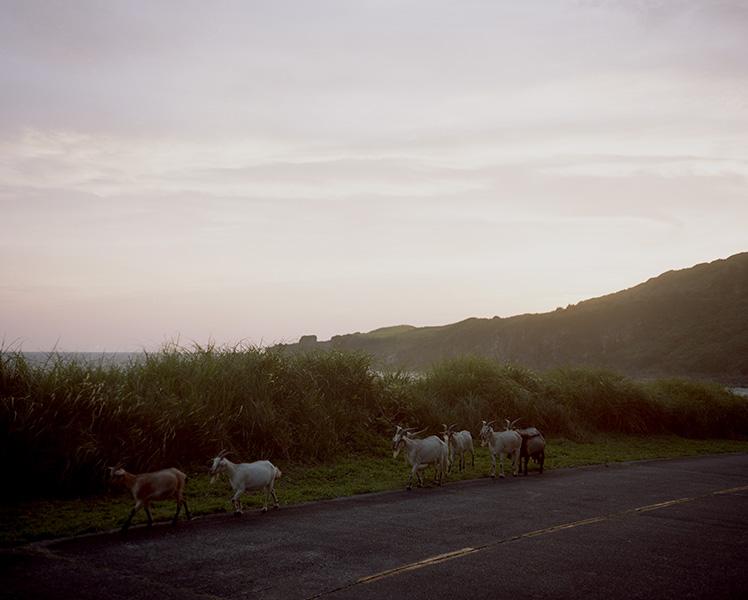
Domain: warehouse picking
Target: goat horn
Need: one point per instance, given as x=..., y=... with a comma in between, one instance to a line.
x=421, y=431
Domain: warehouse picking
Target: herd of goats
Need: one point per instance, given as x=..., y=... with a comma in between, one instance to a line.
x=440, y=451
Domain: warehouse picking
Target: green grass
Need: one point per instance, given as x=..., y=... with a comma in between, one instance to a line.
x=23, y=522
x=61, y=424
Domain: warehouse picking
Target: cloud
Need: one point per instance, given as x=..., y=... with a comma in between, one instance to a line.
x=257, y=167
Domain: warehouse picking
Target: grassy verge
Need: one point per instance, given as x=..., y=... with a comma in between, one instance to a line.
x=62, y=423
x=36, y=520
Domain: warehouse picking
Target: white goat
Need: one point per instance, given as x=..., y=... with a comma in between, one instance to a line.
x=506, y=442
x=247, y=477
x=459, y=443
x=421, y=453
x=149, y=487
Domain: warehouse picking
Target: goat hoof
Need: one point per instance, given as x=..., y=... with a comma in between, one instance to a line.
x=264, y=509
x=237, y=513
x=501, y=476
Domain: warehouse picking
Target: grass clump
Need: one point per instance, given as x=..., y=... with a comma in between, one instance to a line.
x=23, y=522
x=61, y=423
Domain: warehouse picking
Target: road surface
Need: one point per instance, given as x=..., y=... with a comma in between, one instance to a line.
x=656, y=529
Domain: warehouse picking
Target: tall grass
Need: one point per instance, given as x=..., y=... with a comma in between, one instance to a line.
x=62, y=422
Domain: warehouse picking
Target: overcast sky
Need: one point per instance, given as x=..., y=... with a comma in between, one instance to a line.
x=262, y=170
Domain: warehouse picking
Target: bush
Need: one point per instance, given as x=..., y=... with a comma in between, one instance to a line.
x=61, y=423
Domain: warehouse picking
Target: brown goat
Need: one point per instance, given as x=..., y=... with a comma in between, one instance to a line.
x=149, y=487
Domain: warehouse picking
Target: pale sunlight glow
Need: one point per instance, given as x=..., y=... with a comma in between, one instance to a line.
x=247, y=171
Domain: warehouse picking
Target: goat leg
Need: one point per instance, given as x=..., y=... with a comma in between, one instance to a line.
x=126, y=525
x=237, y=504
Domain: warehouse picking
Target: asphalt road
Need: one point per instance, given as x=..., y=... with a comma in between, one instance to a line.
x=659, y=529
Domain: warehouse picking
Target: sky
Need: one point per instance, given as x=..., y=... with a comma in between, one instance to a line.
x=250, y=172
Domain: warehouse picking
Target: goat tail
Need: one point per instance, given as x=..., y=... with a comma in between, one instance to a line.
x=278, y=473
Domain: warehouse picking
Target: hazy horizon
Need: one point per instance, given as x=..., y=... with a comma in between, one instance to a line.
x=253, y=172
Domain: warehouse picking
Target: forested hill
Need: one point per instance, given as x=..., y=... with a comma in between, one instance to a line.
x=690, y=322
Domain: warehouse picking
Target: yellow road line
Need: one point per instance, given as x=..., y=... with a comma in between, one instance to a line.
x=439, y=558
x=417, y=565
x=560, y=527
x=664, y=504
x=433, y=560
x=742, y=488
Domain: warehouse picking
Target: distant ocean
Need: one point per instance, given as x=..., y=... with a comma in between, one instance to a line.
x=90, y=358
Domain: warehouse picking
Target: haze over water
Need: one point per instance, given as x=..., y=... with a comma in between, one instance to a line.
x=259, y=171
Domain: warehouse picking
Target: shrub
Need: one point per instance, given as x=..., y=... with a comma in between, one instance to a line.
x=62, y=422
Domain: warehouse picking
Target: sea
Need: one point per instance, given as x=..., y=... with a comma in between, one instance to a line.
x=120, y=359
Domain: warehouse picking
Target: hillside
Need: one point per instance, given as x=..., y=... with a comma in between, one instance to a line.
x=691, y=322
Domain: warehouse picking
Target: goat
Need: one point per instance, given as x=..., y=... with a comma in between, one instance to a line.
x=501, y=442
x=149, y=487
x=421, y=453
x=247, y=477
x=459, y=443
x=510, y=425
x=533, y=447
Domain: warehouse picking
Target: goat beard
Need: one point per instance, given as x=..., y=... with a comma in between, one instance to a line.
x=395, y=452
x=213, y=477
